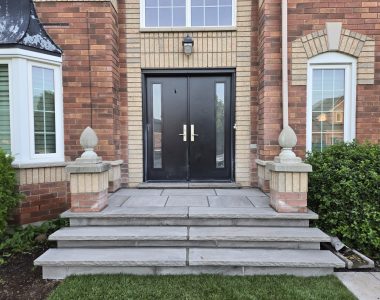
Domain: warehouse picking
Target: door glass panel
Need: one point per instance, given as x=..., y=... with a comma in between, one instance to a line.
x=328, y=107
x=157, y=126
x=219, y=118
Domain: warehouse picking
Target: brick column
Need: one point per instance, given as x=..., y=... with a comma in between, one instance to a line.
x=289, y=186
x=88, y=177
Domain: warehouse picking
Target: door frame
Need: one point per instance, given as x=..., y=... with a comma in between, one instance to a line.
x=145, y=73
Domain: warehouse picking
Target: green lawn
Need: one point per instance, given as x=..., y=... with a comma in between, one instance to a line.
x=200, y=287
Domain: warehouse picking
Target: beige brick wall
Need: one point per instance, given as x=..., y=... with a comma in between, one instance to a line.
x=352, y=43
x=36, y=175
x=211, y=49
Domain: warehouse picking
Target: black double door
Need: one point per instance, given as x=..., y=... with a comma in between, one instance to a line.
x=188, y=128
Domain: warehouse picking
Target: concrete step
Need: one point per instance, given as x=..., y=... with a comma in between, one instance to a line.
x=176, y=236
x=190, y=216
x=60, y=263
x=189, y=185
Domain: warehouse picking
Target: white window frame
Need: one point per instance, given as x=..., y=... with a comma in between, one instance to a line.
x=334, y=60
x=20, y=64
x=58, y=106
x=188, y=19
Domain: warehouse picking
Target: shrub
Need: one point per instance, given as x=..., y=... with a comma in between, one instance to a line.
x=344, y=189
x=25, y=239
x=9, y=196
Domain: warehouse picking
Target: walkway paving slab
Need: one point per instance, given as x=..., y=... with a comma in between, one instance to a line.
x=187, y=201
x=139, y=192
x=364, y=285
x=259, y=201
x=229, y=201
x=143, y=201
x=240, y=192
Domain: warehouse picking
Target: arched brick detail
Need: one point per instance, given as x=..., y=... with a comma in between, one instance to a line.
x=352, y=43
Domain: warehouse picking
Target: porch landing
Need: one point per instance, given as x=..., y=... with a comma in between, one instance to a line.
x=188, y=231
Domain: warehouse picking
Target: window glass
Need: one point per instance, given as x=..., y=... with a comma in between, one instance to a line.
x=157, y=126
x=5, y=128
x=172, y=13
x=211, y=13
x=44, y=110
x=165, y=13
x=327, y=107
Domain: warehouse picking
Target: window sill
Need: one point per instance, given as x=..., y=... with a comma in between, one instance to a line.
x=187, y=29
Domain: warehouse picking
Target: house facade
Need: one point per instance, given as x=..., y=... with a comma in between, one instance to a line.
x=184, y=90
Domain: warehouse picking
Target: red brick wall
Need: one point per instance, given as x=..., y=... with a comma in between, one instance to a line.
x=88, y=34
x=358, y=16
x=269, y=73
x=42, y=202
x=305, y=17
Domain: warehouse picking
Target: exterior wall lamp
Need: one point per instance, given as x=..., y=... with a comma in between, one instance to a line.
x=188, y=44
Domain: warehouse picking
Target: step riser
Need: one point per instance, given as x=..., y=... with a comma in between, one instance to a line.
x=53, y=272
x=196, y=244
x=187, y=222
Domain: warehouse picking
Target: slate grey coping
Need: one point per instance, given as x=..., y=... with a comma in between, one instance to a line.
x=263, y=257
x=139, y=192
x=39, y=165
x=229, y=201
x=240, y=192
x=137, y=257
x=132, y=212
x=259, y=201
x=247, y=213
x=114, y=162
x=87, y=168
x=188, y=192
x=112, y=233
x=143, y=201
x=289, y=167
x=267, y=234
x=187, y=201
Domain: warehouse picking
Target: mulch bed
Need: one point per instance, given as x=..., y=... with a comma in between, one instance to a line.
x=20, y=280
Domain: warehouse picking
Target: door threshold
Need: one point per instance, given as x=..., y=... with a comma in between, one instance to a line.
x=189, y=185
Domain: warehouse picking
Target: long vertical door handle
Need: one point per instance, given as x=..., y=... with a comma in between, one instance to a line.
x=184, y=133
x=193, y=134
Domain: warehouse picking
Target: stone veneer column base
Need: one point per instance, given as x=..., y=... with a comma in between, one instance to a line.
x=263, y=176
x=289, y=186
x=114, y=175
x=88, y=186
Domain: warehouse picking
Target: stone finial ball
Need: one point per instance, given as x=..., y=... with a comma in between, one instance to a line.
x=88, y=138
x=287, y=138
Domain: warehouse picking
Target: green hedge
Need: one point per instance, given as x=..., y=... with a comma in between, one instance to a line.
x=9, y=196
x=344, y=189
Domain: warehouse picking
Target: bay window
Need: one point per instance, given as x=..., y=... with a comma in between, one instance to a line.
x=187, y=13
x=331, y=107
x=31, y=106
